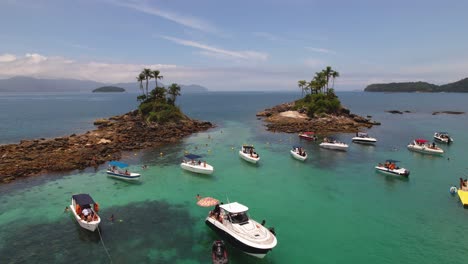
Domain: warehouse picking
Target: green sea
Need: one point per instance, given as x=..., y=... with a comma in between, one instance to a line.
x=332, y=208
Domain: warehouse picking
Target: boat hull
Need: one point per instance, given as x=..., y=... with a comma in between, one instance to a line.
x=256, y=252
x=198, y=169
x=310, y=138
x=91, y=226
x=369, y=141
x=401, y=172
x=443, y=140
x=425, y=150
x=248, y=158
x=342, y=147
x=131, y=177
x=297, y=156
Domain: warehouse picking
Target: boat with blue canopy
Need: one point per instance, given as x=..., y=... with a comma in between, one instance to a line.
x=118, y=170
x=298, y=153
x=193, y=163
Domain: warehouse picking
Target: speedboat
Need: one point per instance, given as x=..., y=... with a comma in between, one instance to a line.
x=190, y=164
x=231, y=222
x=85, y=210
x=248, y=153
x=308, y=136
x=390, y=168
x=331, y=143
x=443, y=137
x=363, y=138
x=116, y=170
x=298, y=153
x=219, y=253
x=420, y=145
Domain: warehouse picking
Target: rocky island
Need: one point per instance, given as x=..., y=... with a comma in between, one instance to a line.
x=156, y=122
x=319, y=110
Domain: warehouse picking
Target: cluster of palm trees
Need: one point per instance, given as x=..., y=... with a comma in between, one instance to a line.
x=158, y=93
x=320, y=83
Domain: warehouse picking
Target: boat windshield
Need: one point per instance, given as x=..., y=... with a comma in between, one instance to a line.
x=239, y=218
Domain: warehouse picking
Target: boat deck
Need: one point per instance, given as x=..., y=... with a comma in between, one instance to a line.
x=463, y=197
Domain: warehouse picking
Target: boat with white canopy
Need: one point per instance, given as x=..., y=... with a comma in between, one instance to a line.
x=231, y=222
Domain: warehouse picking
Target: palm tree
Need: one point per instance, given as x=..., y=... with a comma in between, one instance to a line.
x=156, y=76
x=327, y=74
x=140, y=79
x=302, y=84
x=148, y=75
x=174, y=91
x=334, y=75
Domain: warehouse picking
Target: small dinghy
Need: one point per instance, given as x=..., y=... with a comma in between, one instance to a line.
x=248, y=154
x=331, y=143
x=308, y=136
x=219, y=252
x=390, y=168
x=85, y=211
x=116, y=170
x=298, y=153
x=190, y=164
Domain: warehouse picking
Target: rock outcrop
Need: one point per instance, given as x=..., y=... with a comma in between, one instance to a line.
x=343, y=122
x=119, y=133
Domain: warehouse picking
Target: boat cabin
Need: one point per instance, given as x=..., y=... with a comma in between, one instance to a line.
x=235, y=212
x=190, y=159
x=362, y=134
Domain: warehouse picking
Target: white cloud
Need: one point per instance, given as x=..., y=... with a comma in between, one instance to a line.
x=35, y=58
x=7, y=57
x=321, y=50
x=184, y=20
x=219, y=52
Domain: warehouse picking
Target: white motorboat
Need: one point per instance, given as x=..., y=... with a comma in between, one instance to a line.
x=421, y=146
x=330, y=143
x=443, y=137
x=231, y=222
x=190, y=164
x=363, y=138
x=298, y=153
x=85, y=210
x=308, y=136
x=248, y=153
x=116, y=170
x=390, y=168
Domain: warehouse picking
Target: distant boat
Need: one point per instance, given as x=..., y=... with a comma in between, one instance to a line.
x=116, y=170
x=390, y=168
x=190, y=164
x=308, y=136
x=331, y=143
x=298, y=153
x=85, y=210
x=443, y=137
x=249, y=154
x=421, y=146
x=233, y=224
x=363, y=138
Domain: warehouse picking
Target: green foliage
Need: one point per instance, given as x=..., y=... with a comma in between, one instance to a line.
x=319, y=104
x=161, y=112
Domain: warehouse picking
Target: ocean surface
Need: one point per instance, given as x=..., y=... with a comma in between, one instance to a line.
x=333, y=208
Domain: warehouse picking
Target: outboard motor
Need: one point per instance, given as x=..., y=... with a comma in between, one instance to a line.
x=219, y=252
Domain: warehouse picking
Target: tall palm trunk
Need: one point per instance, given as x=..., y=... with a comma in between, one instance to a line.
x=147, y=86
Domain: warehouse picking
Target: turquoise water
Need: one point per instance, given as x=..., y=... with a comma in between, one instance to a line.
x=333, y=208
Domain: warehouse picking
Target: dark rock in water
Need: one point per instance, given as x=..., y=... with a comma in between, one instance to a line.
x=394, y=112
x=407, y=111
x=448, y=112
x=369, y=116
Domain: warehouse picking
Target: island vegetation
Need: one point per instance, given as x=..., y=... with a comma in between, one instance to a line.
x=109, y=89
x=455, y=87
x=319, y=109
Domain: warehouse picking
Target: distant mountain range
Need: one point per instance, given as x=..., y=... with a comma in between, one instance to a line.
x=455, y=87
x=30, y=84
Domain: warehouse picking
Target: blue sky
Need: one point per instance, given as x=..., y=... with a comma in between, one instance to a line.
x=236, y=45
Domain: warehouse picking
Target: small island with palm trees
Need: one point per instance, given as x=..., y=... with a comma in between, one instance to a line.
x=318, y=110
x=157, y=121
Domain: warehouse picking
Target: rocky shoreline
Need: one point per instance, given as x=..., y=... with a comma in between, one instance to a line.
x=76, y=152
x=282, y=118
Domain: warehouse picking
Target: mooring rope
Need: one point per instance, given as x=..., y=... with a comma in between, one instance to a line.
x=103, y=245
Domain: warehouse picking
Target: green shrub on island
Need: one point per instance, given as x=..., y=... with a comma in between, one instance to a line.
x=319, y=98
x=158, y=105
